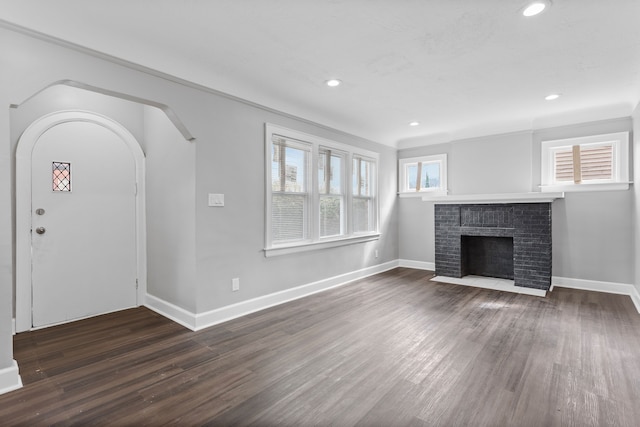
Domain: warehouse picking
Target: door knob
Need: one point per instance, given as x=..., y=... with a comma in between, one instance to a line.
x=40, y=230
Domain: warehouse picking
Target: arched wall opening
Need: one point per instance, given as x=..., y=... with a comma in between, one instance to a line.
x=169, y=161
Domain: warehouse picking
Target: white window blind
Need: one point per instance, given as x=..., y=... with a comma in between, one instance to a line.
x=289, y=189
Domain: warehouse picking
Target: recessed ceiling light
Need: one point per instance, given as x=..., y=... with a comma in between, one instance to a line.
x=333, y=82
x=535, y=8
x=552, y=96
x=414, y=123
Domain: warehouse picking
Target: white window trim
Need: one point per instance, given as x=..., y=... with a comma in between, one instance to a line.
x=315, y=241
x=323, y=244
x=403, y=183
x=620, y=181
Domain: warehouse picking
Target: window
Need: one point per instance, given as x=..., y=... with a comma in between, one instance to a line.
x=309, y=204
x=61, y=176
x=363, y=195
x=423, y=175
x=289, y=189
x=597, y=162
x=331, y=190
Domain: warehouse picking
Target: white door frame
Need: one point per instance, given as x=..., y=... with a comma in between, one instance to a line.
x=24, y=149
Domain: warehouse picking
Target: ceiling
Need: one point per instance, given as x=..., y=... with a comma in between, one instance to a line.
x=462, y=68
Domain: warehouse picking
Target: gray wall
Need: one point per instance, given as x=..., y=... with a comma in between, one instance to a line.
x=636, y=192
x=592, y=231
x=7, y=242
x=494, y=164
x=170, y=203
x=229, y=159
x=593, y=235
x=230, y=240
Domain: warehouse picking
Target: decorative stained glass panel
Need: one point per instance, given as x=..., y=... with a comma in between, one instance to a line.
x=61, y=176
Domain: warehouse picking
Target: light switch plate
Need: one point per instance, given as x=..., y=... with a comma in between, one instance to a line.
x=216, y=199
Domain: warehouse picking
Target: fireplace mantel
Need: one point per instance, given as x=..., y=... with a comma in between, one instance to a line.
x=470, y=199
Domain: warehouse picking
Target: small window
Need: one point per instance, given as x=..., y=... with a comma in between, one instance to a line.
x=582, y=163
x=423, y=175
x=597, y=162
x=61, y=176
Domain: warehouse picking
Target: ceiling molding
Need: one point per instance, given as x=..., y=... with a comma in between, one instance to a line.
x=171, y=78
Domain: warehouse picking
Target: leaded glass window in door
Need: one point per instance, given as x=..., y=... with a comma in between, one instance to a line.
x=61, y=176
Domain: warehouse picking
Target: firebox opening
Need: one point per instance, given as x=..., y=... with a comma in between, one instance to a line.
x=487, y=256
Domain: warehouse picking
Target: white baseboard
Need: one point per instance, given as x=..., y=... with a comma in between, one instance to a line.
x=598, y=286
x=418, y=265
x=171, y=311
x=199, y=321
x=635, y=297
x=10, y=378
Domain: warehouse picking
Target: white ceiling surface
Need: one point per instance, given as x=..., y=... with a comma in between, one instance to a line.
x=462, y=68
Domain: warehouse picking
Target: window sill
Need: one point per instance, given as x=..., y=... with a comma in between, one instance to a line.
x=323, y=244
x=610, y=186
x=423, y=194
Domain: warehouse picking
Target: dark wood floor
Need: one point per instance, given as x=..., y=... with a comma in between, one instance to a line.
x=390, y=350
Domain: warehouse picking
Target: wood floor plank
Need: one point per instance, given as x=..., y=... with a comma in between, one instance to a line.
x=394, y=349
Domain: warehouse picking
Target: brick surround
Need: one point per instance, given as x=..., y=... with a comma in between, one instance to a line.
x=529, y=224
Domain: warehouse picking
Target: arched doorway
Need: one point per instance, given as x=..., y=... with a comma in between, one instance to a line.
x=80, y=223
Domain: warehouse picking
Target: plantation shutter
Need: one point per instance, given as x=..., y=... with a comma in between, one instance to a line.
x=564, y=165
x=596, y=162
x=584, y=163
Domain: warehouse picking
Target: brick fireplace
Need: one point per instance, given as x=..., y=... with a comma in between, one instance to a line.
x=503, y=240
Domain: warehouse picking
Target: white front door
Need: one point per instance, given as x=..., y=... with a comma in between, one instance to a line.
x=83, y=221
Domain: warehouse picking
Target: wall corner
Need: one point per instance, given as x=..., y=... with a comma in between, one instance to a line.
x=10, y=378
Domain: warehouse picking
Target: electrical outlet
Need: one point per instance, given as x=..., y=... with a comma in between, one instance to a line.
x=235, y=284
x=376, y=253
x=216, y=200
